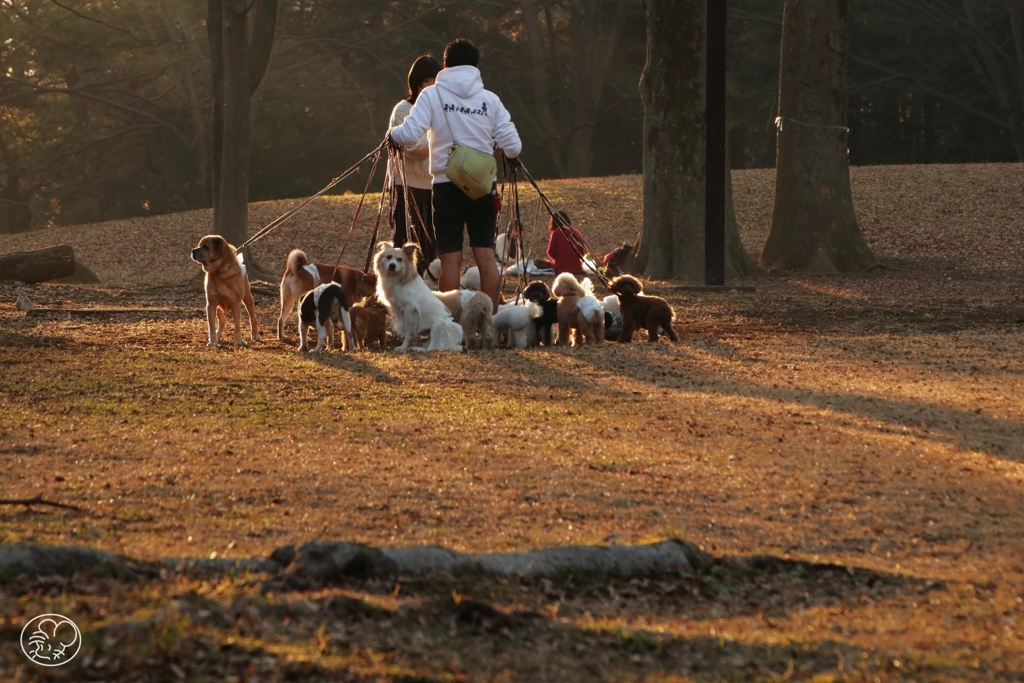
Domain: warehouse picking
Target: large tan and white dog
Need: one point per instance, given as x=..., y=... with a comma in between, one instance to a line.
x=301, y=276
x=227, y=288
x=413, y=307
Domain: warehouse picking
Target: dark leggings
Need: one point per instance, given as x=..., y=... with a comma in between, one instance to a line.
x=424, y=235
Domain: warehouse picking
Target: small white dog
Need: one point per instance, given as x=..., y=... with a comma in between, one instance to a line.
x=432, y=275
x=413, y=307
x=513, y=325
x=504, y=250
x=471, y=279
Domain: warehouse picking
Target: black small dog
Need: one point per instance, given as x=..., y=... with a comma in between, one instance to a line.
x=546, y=313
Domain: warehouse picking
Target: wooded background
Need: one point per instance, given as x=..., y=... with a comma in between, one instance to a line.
x=106, y=106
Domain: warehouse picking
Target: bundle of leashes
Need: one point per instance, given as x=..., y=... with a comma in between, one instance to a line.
x=512, y=168
x=262, y=232
x=513, y=226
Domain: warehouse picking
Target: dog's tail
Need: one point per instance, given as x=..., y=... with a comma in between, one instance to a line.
x=296, y=260
x=566, y=285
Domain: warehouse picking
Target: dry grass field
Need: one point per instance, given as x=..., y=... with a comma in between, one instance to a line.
x=848, y=449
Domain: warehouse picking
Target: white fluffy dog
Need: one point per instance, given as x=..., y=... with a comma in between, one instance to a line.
x=471, y=279
x=513, y=324
x=413, y=307
x=432, y=275
x=504, y=250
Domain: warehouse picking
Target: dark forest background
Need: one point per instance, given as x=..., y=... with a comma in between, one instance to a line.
x=105, y=105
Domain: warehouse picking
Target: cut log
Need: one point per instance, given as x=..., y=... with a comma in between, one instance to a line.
x=39, y=265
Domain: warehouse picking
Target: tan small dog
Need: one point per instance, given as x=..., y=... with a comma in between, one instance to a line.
x=227, y=288
x=369, y=325
x=578, y=311
x=477, y=321
x=301, y=276
x=639, y=310
x=452, y=300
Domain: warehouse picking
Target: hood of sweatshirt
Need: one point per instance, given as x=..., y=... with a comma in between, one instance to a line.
x=461, y=81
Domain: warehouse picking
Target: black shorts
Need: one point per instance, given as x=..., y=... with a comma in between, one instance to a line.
x=454, y=210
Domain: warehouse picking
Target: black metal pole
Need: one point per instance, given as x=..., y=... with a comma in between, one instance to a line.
x=714, y=211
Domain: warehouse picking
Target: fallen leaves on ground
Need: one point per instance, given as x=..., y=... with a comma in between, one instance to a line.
x=850, y=448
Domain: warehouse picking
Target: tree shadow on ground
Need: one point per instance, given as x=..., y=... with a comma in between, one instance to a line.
x=473, y=627
x=663, y=367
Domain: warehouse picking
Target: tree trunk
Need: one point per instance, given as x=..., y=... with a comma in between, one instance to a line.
x=673, y=91
x=813, y=210
x=237, y=68
x=1016, y=8
x=233, y=213
x=264, y=28
x=15, y=212
x=215, y=34
x=40, y=265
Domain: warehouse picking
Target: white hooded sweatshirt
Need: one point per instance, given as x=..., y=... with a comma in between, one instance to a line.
x=476, y=118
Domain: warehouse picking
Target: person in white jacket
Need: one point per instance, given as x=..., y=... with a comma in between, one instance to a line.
x=416, y=177
x=477, y=118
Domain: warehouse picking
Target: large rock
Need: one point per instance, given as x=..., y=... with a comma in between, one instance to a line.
x=63, y=561
x=327, y=562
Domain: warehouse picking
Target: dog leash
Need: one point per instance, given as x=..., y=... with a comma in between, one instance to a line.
x=359, y=208
x=376, y=232
x=260, y=234
x=564, y=227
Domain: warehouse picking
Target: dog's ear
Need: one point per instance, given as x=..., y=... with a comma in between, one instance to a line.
x=217, y=245
x=384, y=246
x=412, y=250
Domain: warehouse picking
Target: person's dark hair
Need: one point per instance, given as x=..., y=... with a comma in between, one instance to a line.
x=461, y=52
x=425, y=67
x=560, y=216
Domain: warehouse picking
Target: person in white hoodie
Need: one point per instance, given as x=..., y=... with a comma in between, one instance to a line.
x=416, y=180
x=477, y=118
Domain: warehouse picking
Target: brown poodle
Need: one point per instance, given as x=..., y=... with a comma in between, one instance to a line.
x=638, y=310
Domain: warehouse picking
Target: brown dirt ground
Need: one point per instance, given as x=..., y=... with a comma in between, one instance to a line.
x=866, y=431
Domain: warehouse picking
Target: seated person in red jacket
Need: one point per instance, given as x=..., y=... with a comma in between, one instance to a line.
x=562, y=256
